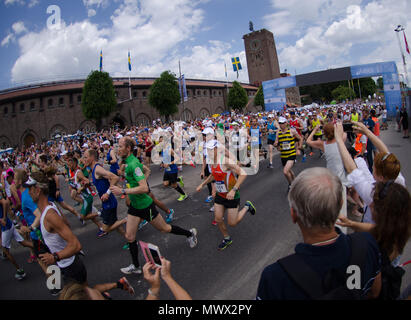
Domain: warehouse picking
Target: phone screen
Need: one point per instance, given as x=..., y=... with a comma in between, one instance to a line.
x=156, y=257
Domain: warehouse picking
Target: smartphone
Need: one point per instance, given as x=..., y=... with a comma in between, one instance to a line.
x=151, y=253
x=347, y=127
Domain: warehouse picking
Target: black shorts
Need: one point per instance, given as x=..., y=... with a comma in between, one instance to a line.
x=39, y=248
x=171, y=177
x=207, y=172
x=229, y=204
x=148, y=214
x=269, y=141
x=109, y=216
x=284, y=160
x=148, y=154
x=76, y=272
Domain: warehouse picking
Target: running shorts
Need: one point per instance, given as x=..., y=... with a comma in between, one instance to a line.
x=229, y=204
x=284, y=160
x=148, y=214
x=109, y=216
x=171, y=177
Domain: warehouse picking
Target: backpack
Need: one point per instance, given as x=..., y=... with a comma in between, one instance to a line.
x=391, y=278
x=334, y=284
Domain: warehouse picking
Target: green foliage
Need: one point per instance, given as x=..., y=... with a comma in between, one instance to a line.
x=368, y=87
x=98, y=98
x=343, y=93
x=164, y=95
x=237, y=97
x=259, y=98
x=380, y=83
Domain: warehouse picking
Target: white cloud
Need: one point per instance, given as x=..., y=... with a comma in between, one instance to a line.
x=91, y=13
x=9, y=38
x=18, y=27
x=31, y=3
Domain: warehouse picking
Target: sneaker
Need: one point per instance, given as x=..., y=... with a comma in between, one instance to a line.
x=181, y=182
x=101, y=233
x=32, y=259
x=211, y=209
x=193, y=239
x=304, y=158
x=126, y=246
x=270, y=166
x=126, y=285
x=169, y=217
x=81, y=252
x=131, y=269
x=83, y=222
x=55, y=292
x=20, y=274
x=311, y=154
x=225, y=243
x=214, y=223
x=209, y=199
x=142, y=224
x=251, y=207
x=182, y=197
x=265, y=154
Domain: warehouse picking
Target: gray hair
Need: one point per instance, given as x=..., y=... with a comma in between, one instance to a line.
x=316, y=196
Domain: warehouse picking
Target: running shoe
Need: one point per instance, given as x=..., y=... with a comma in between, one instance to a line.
x=131, y=269
x=311, y=154
x=126, y=246
x=270, y=166
x=209, y=199
x=101, y=233
x=20, y=274
x=193, y=239
x=214, y=223
x=211, y=209
x=170, y=215
x=126, y=285
x=181, y=182
x=251, y=207
x=182, y=197
x=304, y=158
x=142, y=224
x=225, y=243
x=82, y=221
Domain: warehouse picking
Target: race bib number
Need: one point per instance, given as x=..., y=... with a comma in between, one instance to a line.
x=286, y=146
x=220, y=186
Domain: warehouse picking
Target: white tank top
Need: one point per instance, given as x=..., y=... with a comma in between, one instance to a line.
x=334, y=162
x=53, y=241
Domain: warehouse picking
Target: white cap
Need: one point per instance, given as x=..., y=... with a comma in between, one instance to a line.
x=208, y=130
x=106, y=142
x=271, y=115
x=282, y=120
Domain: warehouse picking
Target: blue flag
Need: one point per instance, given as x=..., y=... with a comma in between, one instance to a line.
x=101, y=60
x=129, y=61
x=236, y=64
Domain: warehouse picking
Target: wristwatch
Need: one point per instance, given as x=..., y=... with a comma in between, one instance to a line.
x=56, y=257
x=123, y=191
x=235, y=188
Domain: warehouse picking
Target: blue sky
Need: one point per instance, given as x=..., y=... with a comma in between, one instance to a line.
x=204, y=34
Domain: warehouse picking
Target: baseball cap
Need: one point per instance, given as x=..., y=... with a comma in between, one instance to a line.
x=282, y=120
x=271, y=116
x=106, y=142
x=32, y=182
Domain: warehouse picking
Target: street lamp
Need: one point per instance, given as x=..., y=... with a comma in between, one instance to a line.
x=398, y=30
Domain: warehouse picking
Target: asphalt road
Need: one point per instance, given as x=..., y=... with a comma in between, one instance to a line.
x=204, y=272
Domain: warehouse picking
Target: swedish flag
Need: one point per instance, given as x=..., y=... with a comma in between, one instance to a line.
x=236, y=64
x=101, y=60
x=129, y=61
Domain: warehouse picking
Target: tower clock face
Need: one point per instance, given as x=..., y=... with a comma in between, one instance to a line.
x=255, y=44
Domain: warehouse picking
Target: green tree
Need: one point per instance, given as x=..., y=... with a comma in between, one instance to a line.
x=98, y=98
x=368, y=87
x=237, y=97
x=380, y=83
x=164, y=95
x=259, y=98
x=343, y=93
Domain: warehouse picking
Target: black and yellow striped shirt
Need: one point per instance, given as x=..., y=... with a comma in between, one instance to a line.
x=287, y=144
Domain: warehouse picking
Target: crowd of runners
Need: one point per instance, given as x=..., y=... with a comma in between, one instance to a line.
x=114, y=165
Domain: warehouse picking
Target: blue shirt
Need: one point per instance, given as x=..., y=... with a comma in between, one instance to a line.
x=8, y=221
x=255, y=132
x=113, y=167
x=275, y=283
x=271, y=126
x=28, y=206
x=102, y=186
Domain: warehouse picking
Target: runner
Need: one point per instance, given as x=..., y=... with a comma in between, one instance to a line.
x=272, y=128
x=111, y=157
x=141, y=205
x=285, y=143
x=227, y=196
x=103, y=179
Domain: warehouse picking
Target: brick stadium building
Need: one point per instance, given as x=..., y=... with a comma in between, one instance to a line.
x=35, y=113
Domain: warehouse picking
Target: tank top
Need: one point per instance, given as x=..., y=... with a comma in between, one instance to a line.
x=354, y=117
x=102, y=186
x=334, y=161
x=296, y=125
x=113, y=167
x=53, y=240
x=224, y=181
x=287, y=144
x=315, y=123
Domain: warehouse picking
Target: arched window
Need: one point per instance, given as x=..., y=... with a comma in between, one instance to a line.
x=61, y=102
x=22, y=107
x=32, y=106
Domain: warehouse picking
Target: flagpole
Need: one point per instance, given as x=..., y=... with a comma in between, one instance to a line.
x=129, y=74
x=182, y=90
